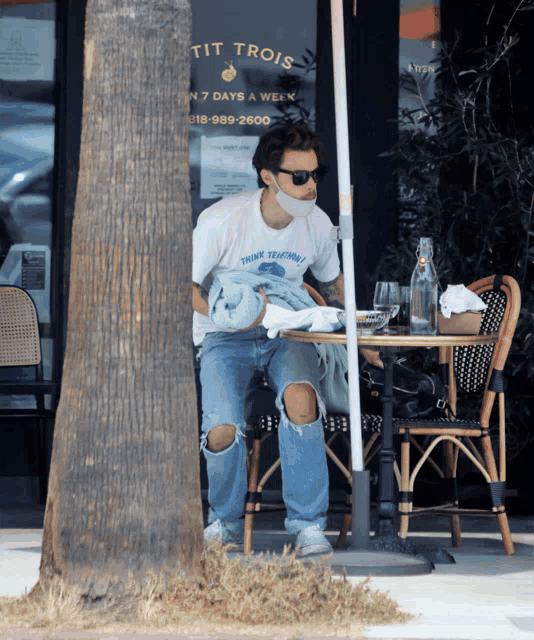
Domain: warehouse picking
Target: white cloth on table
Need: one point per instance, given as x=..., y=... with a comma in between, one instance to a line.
x=459, y=299
x=324, y=319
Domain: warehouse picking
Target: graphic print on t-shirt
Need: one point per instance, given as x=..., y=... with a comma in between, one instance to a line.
x=274, y=267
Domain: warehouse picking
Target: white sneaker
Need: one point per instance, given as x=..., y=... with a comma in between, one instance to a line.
x=226, y=532
x=312, y=540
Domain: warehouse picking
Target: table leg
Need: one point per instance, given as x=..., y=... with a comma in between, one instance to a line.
x=386, y=500
x=386, y=537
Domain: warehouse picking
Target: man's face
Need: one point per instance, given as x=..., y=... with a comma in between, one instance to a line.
x=295, y=161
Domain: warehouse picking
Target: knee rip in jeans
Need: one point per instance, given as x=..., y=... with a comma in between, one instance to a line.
x=285, y=421
x=239, y=433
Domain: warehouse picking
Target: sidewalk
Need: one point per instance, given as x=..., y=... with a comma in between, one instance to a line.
x=484, y=596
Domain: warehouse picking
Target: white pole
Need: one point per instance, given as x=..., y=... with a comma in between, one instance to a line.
x=346, y=230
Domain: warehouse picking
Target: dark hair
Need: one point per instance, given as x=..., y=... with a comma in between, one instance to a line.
x=289, y=137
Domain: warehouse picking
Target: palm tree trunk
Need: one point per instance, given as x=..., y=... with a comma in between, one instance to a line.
x=124, y=491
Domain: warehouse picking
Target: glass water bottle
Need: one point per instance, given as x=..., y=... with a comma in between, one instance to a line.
x=424, y=292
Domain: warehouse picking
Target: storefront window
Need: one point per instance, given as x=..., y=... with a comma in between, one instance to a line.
x=27, y=55
x=27, y=62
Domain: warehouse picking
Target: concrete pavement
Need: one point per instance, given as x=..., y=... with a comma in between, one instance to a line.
x=484, y=596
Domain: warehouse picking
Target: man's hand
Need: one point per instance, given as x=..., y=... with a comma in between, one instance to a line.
x=259, y=319
x=373, y=357
x=200, y=300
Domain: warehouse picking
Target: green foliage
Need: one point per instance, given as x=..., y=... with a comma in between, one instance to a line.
x=466, y=179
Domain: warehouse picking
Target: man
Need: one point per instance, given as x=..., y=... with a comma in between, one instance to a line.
x=278, y=230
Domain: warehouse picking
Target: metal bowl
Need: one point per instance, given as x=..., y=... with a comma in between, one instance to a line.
x=371, y=321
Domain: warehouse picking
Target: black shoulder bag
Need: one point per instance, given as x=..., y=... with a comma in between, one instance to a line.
x=415, y=394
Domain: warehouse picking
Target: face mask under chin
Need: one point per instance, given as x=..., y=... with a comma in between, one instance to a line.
x=293, y=206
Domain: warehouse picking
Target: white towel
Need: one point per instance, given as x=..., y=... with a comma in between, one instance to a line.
x=313, y=319
x=458, y=299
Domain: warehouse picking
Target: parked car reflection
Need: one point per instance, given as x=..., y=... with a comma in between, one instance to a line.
x=26, y=163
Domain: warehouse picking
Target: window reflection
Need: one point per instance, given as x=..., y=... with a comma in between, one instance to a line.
x=27, y=113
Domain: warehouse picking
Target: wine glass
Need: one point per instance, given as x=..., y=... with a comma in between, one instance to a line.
x=387, y=298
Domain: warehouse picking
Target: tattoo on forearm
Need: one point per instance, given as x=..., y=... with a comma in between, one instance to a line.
x=330, y=293
x=334, y=302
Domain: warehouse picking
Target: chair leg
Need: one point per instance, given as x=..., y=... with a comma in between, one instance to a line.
x=250, y=506
x=406, y=500
x=450, y=474
x=506, y=535
x=456, y=533
x=347, y=521
x=501, y=514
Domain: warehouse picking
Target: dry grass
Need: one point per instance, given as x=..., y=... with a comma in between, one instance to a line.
x=264, y=595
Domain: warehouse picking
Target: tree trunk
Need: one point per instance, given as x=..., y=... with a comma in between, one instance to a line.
x=124, y=493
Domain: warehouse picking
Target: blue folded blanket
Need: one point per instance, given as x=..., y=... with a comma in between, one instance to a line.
x=234, y=302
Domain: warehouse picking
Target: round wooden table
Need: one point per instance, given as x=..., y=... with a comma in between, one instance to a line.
x=391, y=339
x=389, y=345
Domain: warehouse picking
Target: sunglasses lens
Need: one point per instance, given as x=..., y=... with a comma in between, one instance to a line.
x=300, y=177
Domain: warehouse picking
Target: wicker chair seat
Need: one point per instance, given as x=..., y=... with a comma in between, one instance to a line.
x=333, y=423
x=370, y=423
x=442, y=423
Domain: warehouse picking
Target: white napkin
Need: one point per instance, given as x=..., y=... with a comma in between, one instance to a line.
x=458, y=299
x=313, y=319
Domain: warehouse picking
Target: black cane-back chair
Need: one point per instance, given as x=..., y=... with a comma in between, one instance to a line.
x=475, y=375
x=20, y=347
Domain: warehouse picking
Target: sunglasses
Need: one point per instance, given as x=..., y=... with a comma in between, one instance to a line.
x=301, y=177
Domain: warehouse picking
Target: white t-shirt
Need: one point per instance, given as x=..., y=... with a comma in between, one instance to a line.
x=232, y=235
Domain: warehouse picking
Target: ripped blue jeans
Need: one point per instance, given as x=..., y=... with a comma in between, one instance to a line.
x=229, y=365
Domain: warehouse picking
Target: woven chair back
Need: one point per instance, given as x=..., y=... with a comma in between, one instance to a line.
x=472, y=364
x=19, y=329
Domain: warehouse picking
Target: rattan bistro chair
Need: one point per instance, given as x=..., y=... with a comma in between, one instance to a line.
x=476, y=372
x=20, y=346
